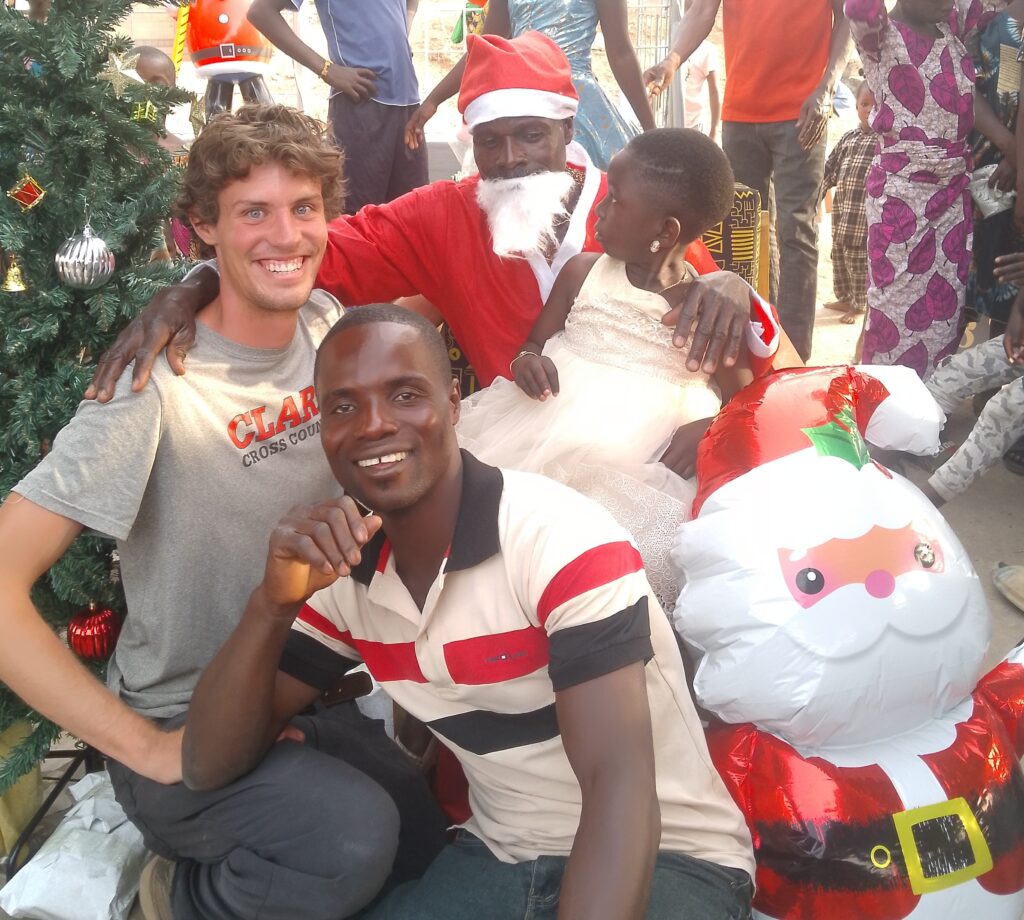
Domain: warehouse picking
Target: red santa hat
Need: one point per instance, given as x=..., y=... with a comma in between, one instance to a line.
x=828, y=411
x=513, y=77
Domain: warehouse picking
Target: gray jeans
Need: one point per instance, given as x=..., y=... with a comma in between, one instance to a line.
x=1001, y=422
x=311, y=832
x=768, y=157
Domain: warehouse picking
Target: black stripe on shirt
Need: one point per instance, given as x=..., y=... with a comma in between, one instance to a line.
x=581, y=653
x=313, y=662
x=482, y=732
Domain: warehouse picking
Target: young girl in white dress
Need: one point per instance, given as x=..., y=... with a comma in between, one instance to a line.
x=599, y=389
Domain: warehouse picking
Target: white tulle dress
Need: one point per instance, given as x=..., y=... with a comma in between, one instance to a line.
x=623, y=391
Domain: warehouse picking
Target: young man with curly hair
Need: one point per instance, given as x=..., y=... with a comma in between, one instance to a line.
x=189, y=476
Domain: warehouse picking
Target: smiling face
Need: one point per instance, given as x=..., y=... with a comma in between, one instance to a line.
x=387, y=415
x=270, y=235
x=510, y=148
x=628, y=220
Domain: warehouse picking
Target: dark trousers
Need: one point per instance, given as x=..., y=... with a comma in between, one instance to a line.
x=378, y=165
x=768, y=157
x=311, y=833
x=467, y=882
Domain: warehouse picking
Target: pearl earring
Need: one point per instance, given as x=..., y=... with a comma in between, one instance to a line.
x=655, y=246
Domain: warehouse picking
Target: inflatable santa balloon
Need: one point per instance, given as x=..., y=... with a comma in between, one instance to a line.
x=841, y=631
x=227, y=49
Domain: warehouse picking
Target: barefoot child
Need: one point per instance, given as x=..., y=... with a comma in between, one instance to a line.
x=599, y=390
x=846, y=170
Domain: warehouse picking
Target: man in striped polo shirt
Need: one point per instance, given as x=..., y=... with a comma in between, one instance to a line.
x=512, y=616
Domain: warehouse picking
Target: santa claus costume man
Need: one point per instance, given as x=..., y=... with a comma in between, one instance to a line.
x=483, y=252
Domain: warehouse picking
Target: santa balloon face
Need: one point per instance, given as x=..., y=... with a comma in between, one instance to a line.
x=832, y=603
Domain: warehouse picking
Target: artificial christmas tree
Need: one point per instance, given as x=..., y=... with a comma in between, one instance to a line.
x=71, y=156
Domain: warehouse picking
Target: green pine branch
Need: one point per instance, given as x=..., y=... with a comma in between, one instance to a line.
x=62, y=125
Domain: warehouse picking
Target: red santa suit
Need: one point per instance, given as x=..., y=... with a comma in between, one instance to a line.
x=435, y=240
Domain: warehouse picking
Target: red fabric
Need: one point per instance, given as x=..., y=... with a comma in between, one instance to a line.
x=391, y=660
x=450, y=787
x=497, y=657
x=767, y=420
x=321, y=624
x=776, y=52
x=219, y=23
x=435, y=241
x=529, y=61
x=598, y=566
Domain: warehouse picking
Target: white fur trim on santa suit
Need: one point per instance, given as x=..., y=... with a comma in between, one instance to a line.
x=909, y=418
x=518, y=103
x=763, y=330
x=576, y=233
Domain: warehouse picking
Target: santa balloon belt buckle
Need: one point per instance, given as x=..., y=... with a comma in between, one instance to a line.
x=930, y=830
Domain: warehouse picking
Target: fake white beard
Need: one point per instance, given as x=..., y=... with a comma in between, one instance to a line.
x=521, y=213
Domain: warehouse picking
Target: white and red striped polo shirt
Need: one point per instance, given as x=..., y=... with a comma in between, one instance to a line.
x=540, y=591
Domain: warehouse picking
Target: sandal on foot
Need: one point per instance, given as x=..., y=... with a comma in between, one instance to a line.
x=1009, y=581
x=1013, y=459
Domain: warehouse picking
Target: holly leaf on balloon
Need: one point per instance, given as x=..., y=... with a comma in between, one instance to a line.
x=840, y=438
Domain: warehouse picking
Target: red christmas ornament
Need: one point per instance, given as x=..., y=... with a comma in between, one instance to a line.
x=92, y=633
x=27, y=192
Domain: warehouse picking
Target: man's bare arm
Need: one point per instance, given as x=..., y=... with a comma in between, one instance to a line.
x=42, y=670
x=168, y=321
x=355, y=82
x=622, y=58
x=715, y=102
x=694, y=27
x=606, y=729
x=814, y=113
x=496, y=22
x=310, y=549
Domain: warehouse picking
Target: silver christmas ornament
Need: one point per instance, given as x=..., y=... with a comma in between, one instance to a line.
x=84, y=261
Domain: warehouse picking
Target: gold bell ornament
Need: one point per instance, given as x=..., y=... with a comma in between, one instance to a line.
x=13, y=282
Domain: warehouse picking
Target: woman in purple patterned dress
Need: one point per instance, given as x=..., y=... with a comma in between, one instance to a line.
x=918, y=203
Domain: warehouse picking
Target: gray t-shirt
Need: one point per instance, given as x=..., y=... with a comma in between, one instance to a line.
x=190, y=476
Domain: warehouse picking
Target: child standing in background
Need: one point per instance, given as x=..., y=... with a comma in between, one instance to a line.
x=846, y=170
x=918, y=201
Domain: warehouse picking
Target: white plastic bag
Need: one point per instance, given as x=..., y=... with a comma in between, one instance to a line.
x=89, y=868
